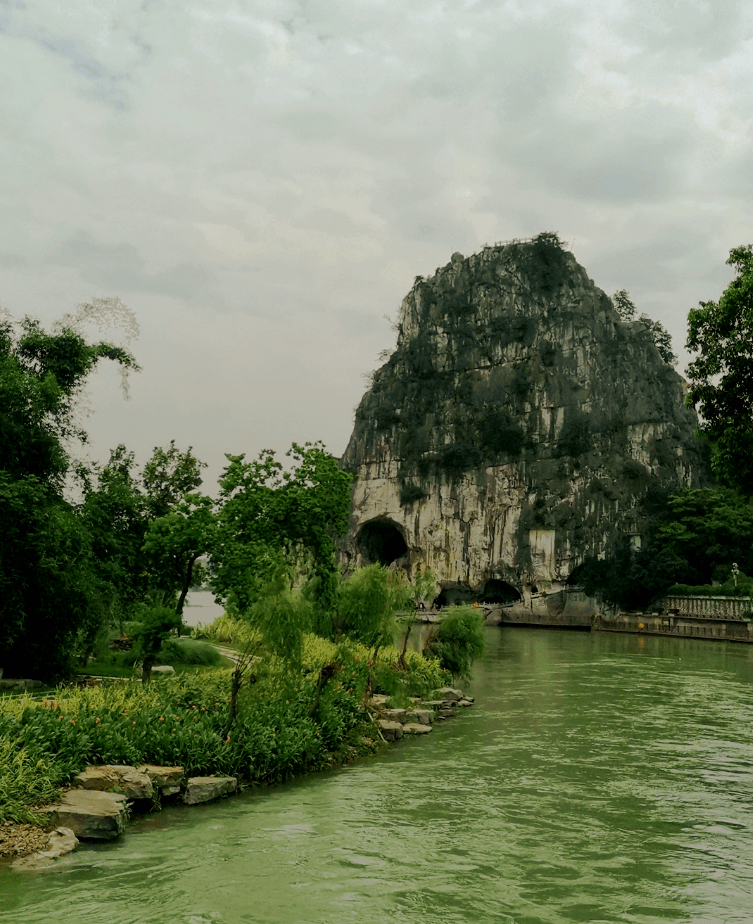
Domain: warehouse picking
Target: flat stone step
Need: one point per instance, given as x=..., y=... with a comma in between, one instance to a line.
x=91, y=815
x=420, y=716
x=450, y=694
x=207, y=788
x=391, y=731
x=393, y=715
x=132, y=783
x=168, y=780
x=416, y=728
x=61, y=842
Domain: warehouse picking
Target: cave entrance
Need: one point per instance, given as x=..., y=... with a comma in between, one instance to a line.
x=455, y=596
x=496, y=591
x=381, y=541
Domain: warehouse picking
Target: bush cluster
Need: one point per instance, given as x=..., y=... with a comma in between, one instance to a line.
x=180, y=720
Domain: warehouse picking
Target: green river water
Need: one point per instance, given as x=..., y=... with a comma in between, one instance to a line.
x=598, y=778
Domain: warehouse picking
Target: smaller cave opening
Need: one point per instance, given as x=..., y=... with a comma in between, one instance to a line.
x=381, y=541
x=455, y=596
x=496, y=591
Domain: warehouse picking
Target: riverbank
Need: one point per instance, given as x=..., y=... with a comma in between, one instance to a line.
x=287, y=724
x=99, y=804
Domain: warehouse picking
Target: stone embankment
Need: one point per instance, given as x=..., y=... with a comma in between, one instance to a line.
x=97, y=806
x=395, y=723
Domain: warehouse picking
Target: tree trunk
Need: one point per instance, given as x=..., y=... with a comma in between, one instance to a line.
x=184, y=590
x=146, y=670
x=326, y=673
x=401, y=659
x=370, y=666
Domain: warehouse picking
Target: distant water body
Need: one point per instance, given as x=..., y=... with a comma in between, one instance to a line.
x=598, y=778
x=201, y=608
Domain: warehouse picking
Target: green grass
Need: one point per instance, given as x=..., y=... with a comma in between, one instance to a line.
x=181, y=720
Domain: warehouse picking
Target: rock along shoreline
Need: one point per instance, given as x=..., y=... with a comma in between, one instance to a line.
x=98, y=804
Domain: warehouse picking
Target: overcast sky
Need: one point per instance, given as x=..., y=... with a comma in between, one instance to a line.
x=261, y=181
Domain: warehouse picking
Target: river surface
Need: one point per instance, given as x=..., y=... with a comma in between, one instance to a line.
x=598, y=778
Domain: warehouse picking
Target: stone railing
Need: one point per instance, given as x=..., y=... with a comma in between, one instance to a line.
x=728, y=608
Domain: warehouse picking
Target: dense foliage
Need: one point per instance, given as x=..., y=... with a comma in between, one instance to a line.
x=721, y=374
x=181, y=721
x=51, y=594
x=695, y=537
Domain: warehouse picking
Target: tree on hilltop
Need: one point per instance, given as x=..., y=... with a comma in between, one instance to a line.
x=721, y=374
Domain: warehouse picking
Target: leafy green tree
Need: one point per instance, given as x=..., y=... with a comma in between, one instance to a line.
x=114, y=514
x=156, y=623
x=662, y=339
x=175, y=542
x=624, y=305
x=631, y=578
x=709, y=529
x=368, y=603
x=423, y=587
x=721, y=374
x=458, y=640
x=49, y=591
x=269, y=515
x=168, y=476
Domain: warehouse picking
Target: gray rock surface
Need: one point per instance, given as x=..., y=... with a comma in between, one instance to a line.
x=517, y=428
x=416, y=728
x=132, y=783
x=450, y=694
x=393, y=715
x=61, y=842
x=167, y=781
x=391, y=731
x=90, y=814
x=206, y=788
x=420, y=716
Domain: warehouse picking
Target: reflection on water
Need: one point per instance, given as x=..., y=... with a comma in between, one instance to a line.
x=599, y=778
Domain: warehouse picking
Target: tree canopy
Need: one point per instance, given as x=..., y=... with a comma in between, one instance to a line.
x=721, y=374
x=49, y=592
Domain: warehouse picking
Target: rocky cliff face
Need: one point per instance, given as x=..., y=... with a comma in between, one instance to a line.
x=517, y=428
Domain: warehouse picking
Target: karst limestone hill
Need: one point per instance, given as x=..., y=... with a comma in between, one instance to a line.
x=519, y=426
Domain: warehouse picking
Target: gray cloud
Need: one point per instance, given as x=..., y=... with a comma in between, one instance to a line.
x=267, y=179
x=121, y=267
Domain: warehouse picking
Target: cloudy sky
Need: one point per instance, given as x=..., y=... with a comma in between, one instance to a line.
x=261, y=181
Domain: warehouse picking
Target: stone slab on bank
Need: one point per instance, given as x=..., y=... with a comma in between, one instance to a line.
x=132, y=783
x=416, y=728
x=90, y=814
x=207, y=788
x=168, y=780
x=61, y=842
x=391, y=731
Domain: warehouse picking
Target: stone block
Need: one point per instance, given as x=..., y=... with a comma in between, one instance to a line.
x=132, y=783
x=450, y=694
x=163, y=669
x=393, y=715
x=420, y=716
x=90, y=814
x=163, y=778
x=391, y=731
x=463, y=702
x=416, y=728
x=206, y=788
x=62, y=841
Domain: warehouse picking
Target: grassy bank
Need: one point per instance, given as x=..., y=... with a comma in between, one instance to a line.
x=182, y=720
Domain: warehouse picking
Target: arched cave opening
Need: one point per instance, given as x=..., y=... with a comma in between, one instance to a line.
x=455, y=596
x=496, y=591
x=381, y=541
